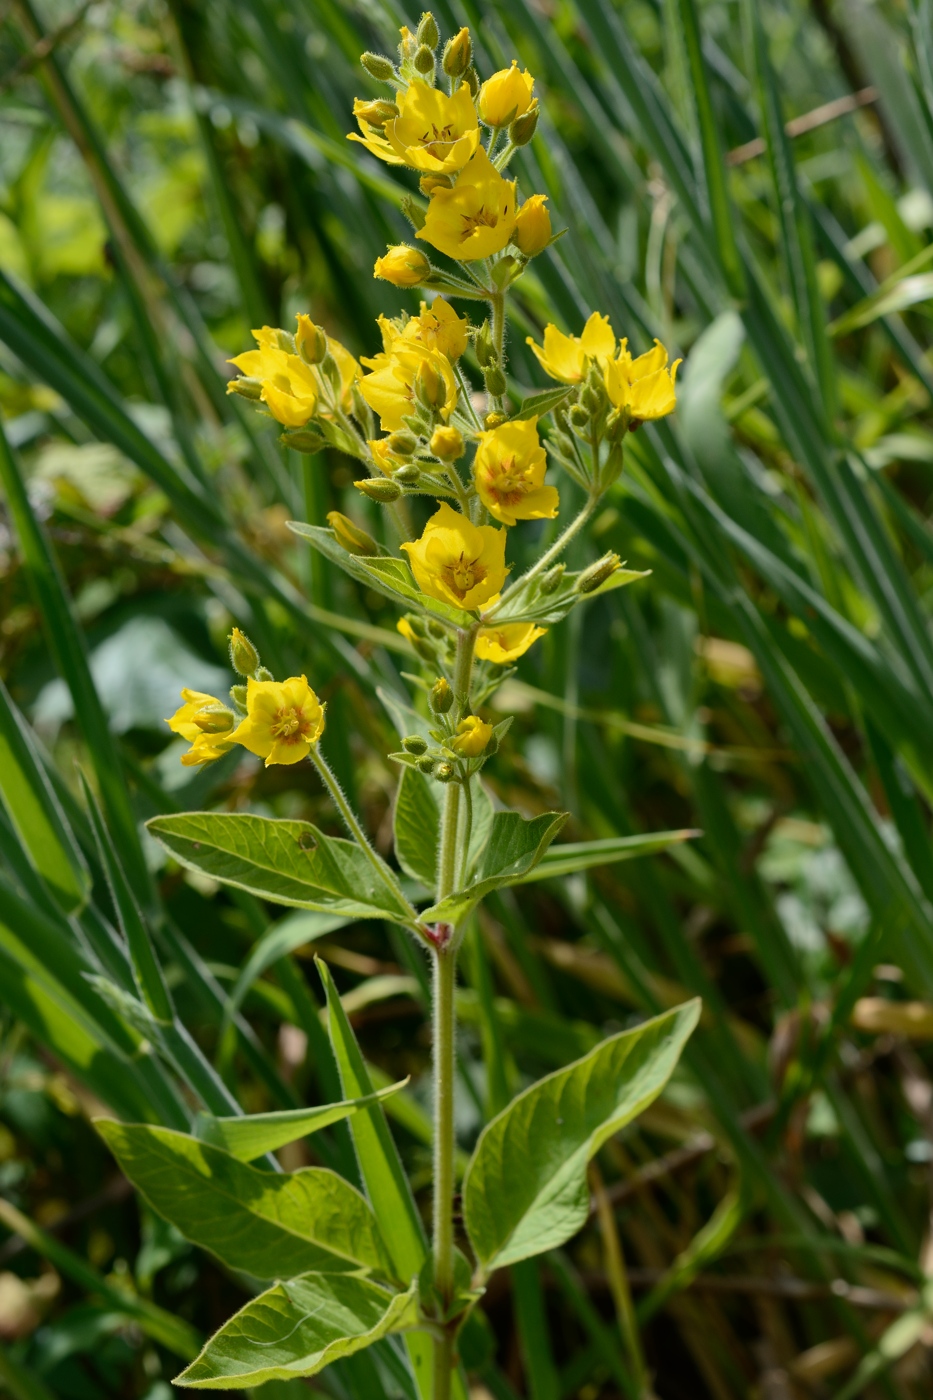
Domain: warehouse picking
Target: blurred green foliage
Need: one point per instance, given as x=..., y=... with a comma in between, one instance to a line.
x=172, y=174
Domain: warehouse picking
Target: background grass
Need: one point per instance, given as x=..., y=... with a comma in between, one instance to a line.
x=172, y=174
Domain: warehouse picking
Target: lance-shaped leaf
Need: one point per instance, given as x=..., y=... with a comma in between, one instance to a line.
x=35, y=813
x=571, y=856
x=297, y=1328
x=288, y=862
x=265, y=1223
x=536, y=405
x=525, y=1190
x=385, y=573
x=417, y=822
x=250, y=1137
x=515, y=847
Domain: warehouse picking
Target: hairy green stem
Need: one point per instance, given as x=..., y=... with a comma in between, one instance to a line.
x=497, y=305
x=444, y=1025
x=550, y=555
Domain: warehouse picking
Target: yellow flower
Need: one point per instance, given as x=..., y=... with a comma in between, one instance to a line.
x=389, y=389
x=643, y=386
x=402, y=266
x=384, y=458
x=507, y=642
x=437, y=327
x=206, y=723
x=432, y=132
x=564, y=357
x=532, y=231
x=473, y=734
x=505, y=96
x=289, y=386
x=447, y=443
x=458, y=562
x=476, y=217
x=283, y=720
x=404, y=627
x=349, y=370
x=509, y=469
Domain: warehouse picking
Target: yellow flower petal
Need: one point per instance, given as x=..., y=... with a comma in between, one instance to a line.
x=509, y=472
x=564, y=357
x=283, y=720
x=458, y=562
x=476, y=217
x=506, y=643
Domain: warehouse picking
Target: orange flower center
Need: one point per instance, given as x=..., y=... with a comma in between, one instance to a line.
x=463, y=574
x=482, y=218
x=437, y=139
x=507, y=481
x=290, y=725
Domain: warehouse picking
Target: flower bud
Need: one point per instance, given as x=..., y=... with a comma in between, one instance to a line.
x=532, y=232
x=409, y=475
x=264, y=674
x=378, y=66
x=458, y=54
x=244, y=658
x=494, y=420
x=402, y=443
x=305, y=440
x=482, y=344
x=505, y=96
x=414, y=743
x=429, y=183
x=430, y=388
x=523, y=128
x=444, y=772
x=238, y=696
x=579, y=416
x=424, y=764
x=246, y=386
x=551, y=581
x=427, y=32
x=441, y=697
x=597, y=573
x=350, y=536
x=471, y=78
x=379, y=488
x=403, y=266
x=496, y=382
x=310, y=340
x=592, y=398
x=437, y=629
x=473, y=736
x=424, y=62
x=447, y=443
x=214, y=719
x=285, y=341
x=374, y=113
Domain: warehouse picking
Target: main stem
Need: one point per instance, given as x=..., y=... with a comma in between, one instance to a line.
x=444, y=1025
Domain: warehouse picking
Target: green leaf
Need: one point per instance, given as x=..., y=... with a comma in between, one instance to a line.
x=296, y=1329
x=35, y=813
x=384, y=573
x=282, y=938
x=525, y=1189
x=416, y=823
x=536, y=405
x=515, y=846
x=249, y=1138
x=265, y=1223
x=288, y=862
x=380, y=1165
x=907, y=292
x=583, y=855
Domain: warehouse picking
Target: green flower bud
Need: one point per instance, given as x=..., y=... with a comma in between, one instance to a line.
x=496, y=382
x=244, y=658
x=471, y=78
x=409, y=475
x=238, y=696
x=579, y=416
x=378, y=66
x=414, y=743
x=246, y=387
x=379, y=488
x=215, y=719
x=402, y=443
x=597, y=573
x=350, y=536
x=551, y=581
x=482, y=344
x=523, y=128
x=412, y=210
x=427, y=32
x=424, y=62
x=494, y=420
x=304, y=440
x=425, y=764
x=264, y=674
x=437, y=629
x=441, y=697
x=444, y=772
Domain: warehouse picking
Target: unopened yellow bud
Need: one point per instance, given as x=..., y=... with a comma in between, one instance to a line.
x=505, y=96
x=374, y=113
x=246, y=386
x=447, y=444
x=379, y=488
x=403, y=266
x=310, y=340
x=473, y=734
x=494, y=420
x=429, y=183
x=244, y=658
x=458, y=54
x=430, y=386
x=532, y=226
x=441, y=697
x=353, y=539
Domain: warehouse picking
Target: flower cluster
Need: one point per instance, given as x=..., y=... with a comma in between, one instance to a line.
x=418, y=427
